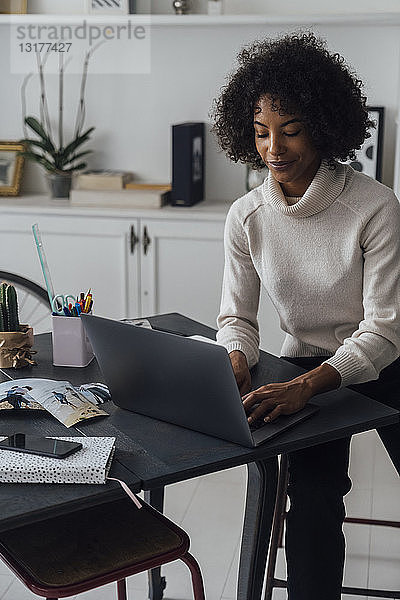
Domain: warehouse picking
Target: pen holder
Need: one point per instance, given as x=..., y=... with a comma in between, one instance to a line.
x=71, y=347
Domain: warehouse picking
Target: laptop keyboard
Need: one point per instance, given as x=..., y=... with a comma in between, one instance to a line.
x=257, y=424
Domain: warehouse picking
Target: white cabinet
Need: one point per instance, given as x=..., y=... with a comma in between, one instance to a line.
x=181, y=267
x=135, y=265
x=136, y=262
x=82, y=253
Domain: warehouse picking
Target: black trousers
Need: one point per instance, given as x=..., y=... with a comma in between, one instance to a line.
x=318, y=480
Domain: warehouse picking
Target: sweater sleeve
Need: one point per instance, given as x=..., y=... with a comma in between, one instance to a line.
x=376, y=342
x=237, y=320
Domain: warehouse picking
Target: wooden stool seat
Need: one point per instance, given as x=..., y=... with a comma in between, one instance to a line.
x=72, y=553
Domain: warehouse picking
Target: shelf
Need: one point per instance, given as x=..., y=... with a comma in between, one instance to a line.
x=40, y=204
x=371, y=19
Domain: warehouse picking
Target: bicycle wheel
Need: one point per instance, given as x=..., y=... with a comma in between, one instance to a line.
x=33, y=302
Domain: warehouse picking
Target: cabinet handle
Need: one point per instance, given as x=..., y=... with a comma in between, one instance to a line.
x=146, y=240
x=133, y=239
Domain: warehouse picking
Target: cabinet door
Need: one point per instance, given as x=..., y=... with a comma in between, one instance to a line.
x=82, y=253
x=181, y=268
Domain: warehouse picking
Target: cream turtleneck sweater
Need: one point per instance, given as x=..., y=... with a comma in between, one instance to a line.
x=330, y=264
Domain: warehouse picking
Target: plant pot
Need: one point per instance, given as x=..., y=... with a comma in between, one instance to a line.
x=59, y=184
x=15, y=348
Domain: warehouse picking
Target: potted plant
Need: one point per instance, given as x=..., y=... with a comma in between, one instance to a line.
x=16, y=340
x=60, y=160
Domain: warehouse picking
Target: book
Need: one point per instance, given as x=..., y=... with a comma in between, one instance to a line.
x=89, y=465
x=102, y=180
x=161, y=187
x=120, y=198
x=67, y=404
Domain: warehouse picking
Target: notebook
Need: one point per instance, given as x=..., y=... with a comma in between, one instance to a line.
x=91, y=464
x=179, y=380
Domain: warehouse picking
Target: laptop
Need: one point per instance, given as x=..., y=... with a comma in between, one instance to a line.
x=179, y=380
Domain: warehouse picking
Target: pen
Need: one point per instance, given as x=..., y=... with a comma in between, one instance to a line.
x=66, y=311
x=78, y=308
x=87, y=302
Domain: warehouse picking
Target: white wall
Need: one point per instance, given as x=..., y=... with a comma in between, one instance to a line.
x=310, y=6
x=133, y=113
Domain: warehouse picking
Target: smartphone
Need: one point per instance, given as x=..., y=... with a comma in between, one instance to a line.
x=19, y=442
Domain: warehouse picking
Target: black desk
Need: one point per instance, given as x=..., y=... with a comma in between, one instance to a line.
x=151, y=454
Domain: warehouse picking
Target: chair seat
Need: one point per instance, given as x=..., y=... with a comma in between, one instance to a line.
x=93, y=542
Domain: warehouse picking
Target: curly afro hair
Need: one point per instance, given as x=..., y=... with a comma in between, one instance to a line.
x=302, y=77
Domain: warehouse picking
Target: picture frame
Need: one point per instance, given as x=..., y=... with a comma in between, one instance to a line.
x=109, y=7
x=11, y=166
x=13, y=7
x=369, y=157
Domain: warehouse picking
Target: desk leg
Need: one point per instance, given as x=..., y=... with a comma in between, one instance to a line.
x=157, y=583
x=260, y=503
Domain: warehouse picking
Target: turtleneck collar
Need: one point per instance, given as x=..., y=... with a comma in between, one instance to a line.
x=323, y=190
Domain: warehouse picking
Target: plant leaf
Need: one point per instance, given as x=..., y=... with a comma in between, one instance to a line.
x=76, y=156
x=39, y=129
x=58, y=160
x=75, y=143
x=77, y=168
x=42, y=160
x=43, y=145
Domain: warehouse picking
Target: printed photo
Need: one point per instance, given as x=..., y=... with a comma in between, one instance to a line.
x=66, y=403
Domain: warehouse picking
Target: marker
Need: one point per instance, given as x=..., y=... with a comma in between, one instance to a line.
x=78, y=308
x=66, y=311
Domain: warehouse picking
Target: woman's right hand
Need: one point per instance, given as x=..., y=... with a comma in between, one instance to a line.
x=241, y=371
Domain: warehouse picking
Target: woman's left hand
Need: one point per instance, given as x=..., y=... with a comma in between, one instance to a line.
x=276, y=399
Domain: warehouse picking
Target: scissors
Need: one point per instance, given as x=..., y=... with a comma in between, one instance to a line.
x=60, y=303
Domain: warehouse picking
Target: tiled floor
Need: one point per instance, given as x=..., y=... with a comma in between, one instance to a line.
x=210, y=508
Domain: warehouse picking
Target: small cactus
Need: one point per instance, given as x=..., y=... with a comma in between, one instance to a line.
x=12, y=308
x=9, y=320
x=3, y=322
x=3, y=287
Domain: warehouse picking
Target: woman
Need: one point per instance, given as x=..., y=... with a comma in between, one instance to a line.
x=324, y=241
